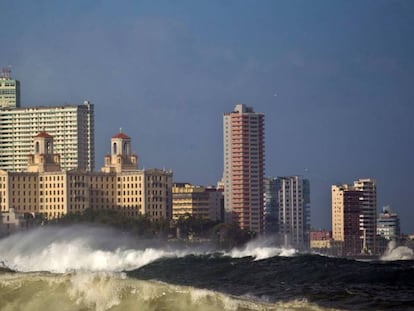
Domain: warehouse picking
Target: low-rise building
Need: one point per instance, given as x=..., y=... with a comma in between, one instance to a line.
x=47, y=189
x=197, y=201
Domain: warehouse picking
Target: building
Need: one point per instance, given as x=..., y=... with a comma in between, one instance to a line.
x=388, y=224
x=321, y=241
x=354, y=216
x=197, y=201
x=44, y=188
x=72, y=127
x=244, y=154
x=271, y=211
x=293, y=206
x=9, y=90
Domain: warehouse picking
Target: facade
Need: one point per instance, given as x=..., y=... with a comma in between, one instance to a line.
x=72, y=127
x=321, y=241
x=9, y=90
x=271, y=211
x=388, y=224
x=243, y=133
x=197, y=201
x=293, y=205
x=44, y=188
x=354, y=216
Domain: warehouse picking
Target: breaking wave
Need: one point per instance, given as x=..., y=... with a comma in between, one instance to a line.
x=97, y=249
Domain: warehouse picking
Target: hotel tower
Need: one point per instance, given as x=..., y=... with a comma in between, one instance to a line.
x=244, y=168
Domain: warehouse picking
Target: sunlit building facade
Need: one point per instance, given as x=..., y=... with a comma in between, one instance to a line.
x=244, y=155
x=44, y=188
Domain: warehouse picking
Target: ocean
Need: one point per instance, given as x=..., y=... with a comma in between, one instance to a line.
x=92, y=268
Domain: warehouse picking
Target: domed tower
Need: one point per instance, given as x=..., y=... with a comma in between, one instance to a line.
x=121, y=158
x=43, y=159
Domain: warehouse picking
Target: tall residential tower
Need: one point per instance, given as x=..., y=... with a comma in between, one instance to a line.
x=244, y=168
x=72, y=127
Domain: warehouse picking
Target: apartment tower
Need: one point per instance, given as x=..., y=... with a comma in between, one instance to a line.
x=293, y=206
x=72, y=127
x=244, y=168
x=354, y=216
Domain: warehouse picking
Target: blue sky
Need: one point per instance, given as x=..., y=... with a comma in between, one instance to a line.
x=334, y=79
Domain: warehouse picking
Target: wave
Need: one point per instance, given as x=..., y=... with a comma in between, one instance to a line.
x=394, y=252
x=115, y=291
x=82, y=248
x=261, y=248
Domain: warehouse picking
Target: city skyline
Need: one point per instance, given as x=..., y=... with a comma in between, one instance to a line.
x=333, y=80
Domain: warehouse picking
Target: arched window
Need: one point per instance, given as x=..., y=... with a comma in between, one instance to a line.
x=37, y=147
x=48, y=147
x=114, y=148
x=125, y=150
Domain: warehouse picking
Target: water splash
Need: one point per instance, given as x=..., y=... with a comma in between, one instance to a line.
x=394, y=252
x=97, y=249
x=261, y=249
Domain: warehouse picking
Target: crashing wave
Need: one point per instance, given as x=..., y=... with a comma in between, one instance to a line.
x=394, y=252
x=80, y=248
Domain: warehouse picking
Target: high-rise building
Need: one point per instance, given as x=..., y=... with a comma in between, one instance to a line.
x=354, y=216
x=388, y=224
x=72, y=127
x=293, y=205
x=271, y=211
x=346, y=211
x=244, y=168
x=368, y=216
x=9, y=90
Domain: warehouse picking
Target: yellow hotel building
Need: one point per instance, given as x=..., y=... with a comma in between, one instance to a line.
x=46, y=189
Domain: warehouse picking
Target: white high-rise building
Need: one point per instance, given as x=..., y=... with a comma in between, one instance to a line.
x=243, y=174
x=293, y=204
x=9, y=90
x=72, y=127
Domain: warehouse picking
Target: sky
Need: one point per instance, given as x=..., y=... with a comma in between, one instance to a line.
x=333, y=78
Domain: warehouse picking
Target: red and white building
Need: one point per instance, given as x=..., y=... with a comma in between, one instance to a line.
x=244, y=168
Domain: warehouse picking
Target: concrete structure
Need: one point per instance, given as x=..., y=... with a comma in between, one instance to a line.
x=47, y=189
x=244, y=154
x=388, y=224
x=293, y=205
x=197, y=201
x=72, y=127
x=354, y=216
x=9, y=90
x=271, y=211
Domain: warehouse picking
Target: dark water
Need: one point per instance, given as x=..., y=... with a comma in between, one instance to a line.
x=84, y=268
x=329, y=282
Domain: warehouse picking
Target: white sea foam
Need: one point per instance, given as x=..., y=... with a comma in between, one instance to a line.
x=79, y=249
x=97, y=249
x=261, y=249
x=394, y=252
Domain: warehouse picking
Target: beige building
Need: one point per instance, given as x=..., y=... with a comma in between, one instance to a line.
x=197, y=201
x=47, y=189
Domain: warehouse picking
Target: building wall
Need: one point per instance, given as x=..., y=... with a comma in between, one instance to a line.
x=244, y=168
x=197, y=201
x=72, y=127
x=293, y=210
x=9, y=91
